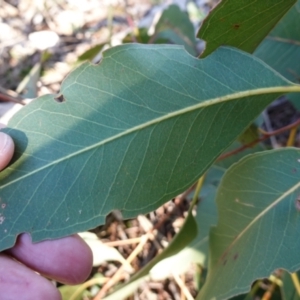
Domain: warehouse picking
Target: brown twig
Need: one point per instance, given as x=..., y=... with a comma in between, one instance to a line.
x=7, y=98
x=130, y=23
x=182, y=196
x=265, y=136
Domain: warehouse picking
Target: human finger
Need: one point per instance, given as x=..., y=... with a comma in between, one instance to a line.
x=67, y=260
x=16, y=281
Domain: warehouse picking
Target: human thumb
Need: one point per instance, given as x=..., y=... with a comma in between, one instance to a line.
x=6, y=149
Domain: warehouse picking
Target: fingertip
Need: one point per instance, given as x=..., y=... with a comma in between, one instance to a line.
x=6, y=149
x=81, y=258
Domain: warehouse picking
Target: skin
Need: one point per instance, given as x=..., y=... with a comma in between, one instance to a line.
x=67, y=260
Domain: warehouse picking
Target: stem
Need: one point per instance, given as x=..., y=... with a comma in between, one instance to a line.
x=197, y=190
x=86, y=285
x=292, y=136
x=266, y=136
x=7, y=98
x=296, y=282
x=253, y=291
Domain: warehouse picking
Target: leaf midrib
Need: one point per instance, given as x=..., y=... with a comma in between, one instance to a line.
x=234, y=96
x=283, y=40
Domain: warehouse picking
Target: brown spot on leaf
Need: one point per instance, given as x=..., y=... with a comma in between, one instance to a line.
x=236, y=26
x=3, y=205
x=223, y=259
x=235, y=257
x=60, y=98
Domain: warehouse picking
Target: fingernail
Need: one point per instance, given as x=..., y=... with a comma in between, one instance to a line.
x=4, y=142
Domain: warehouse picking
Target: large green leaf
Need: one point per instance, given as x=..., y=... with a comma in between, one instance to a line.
x=258, y=228
x=127, y=134
x=241, y=23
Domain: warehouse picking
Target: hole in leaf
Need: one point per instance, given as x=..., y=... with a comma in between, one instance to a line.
x=60, y=98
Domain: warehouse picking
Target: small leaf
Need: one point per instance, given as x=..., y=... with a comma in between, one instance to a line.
x=258, y=223
x=140, y=36
x=131, y=133
x=91, y=53
x=175, y=27
x=241, y=23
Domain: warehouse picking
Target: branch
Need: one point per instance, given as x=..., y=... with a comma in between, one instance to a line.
x=266, y=135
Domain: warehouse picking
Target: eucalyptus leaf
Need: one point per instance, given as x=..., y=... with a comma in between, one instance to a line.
x=175, y=27
x=241, y=23
x=128, y=134
x=91, y=53
x=258, y=227
x=281, y=49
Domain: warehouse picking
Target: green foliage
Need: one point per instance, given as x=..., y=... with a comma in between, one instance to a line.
x=167, y=29
x=258, y=222
x=173, y=27
x=241, y=24
x=91, y=53
x=147, y=122
x=281, y=49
